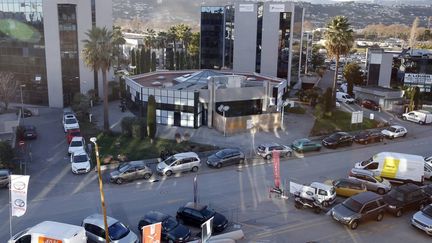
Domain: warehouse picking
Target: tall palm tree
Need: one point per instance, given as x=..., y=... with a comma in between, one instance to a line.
x=172, y=37
x=184, y=34
x=339, y=41
x=150, y=39
x=161, y=43
x=117, y=40
x=98, y=55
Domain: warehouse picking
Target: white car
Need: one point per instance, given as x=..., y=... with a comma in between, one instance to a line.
x=395, y=132
x=76, y=144
x=80, y=162
x=118, y=232
x=70, y=122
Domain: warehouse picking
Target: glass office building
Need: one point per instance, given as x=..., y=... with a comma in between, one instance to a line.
x=284, y=44
x=296, y=43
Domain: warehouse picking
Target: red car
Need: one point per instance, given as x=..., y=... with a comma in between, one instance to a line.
x=370, y=104
x=72, y=133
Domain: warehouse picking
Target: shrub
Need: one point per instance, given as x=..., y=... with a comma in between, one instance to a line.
x=178, y=137
x=136, y=131
x=6, y=152
x=126, y=126
x=186, y=136
x=151, y=117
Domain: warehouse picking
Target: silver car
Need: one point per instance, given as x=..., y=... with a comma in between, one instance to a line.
x=178, y=163
x=423, y=219
x=372, y=182
x=118, y=232
x=4, y=178
x=266, y=150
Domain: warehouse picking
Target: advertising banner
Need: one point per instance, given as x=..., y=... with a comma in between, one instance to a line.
x=152, y=233
x=276, y=168
x=277, y=8
x=18, y=190
x=206, y=230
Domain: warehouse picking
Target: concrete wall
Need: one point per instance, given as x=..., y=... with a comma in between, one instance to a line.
x=263, y=122
x=244, y=56
x=235, y=94
x=385, y=70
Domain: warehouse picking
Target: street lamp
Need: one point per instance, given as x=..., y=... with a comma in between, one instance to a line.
x=223, y=109
x=22, y=101
x=93, y=140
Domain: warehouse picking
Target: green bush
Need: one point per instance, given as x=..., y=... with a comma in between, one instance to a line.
x=136, y=131
x=126, y=126
x=151, y=117
x=295, y=110
x=6, y=152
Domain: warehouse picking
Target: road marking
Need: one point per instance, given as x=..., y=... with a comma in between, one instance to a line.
x=293, y=227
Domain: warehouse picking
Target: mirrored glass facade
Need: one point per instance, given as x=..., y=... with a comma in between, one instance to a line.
x=22, y=47
x=284, y=44
x=260, y=10
x=296, y=43
x=69, y=51
x=229, y=37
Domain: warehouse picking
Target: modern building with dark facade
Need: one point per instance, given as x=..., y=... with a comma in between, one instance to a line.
x=41, y=42
x=263, y=37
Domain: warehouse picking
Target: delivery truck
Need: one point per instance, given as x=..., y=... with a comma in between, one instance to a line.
x=51, y=232
x=396, y=167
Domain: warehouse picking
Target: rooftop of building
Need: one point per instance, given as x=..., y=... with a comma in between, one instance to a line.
x=379, y=88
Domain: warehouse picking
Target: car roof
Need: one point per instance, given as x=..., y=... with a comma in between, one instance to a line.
x=55, y=229
x=76, y=139
x=349, y=180
x=320, y=185
x=362, y=172
x=185, y=155
x=409, y=187
x=136, y=163
x=195, y=206
x=79, y=152
x=270, y=144
x=302, y=140
x=398, y=126
x=365, y=197
x=4, y=172
x=28, y=127
x=155, y=216
x=97, y=219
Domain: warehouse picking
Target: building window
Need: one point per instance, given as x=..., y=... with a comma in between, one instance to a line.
x=284, y=44
x=296, y=43
x=212, y=37
x=259, y=38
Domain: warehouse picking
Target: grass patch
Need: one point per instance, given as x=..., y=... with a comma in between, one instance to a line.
x=340, y=121
x=136, y=149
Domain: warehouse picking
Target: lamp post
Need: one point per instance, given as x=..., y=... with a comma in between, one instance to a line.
x=223, y=109
x=102, y=195
x=22, y=101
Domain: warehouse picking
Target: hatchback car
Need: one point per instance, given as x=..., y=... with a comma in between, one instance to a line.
x=405, y=197
x=196, y=214
x=366, y=137
x=172, y=230
x=181, y=162
x=27, y=132
x=118, y=232
x=394, y=132
x=370, y=104
x=77, y=144
x=131, y=171
x=80, y=162
x=372, y=182
x=4, y=178
x=225, y=157
x=71, y=134
x=355, y=209
x=266, y=150
x=347, y=187
x=70, y=122
x=423, y=219
x=305, y=145
x=338, y=139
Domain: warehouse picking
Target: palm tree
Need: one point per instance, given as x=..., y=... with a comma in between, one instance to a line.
x=161, y=43
x=117, y=40
x=98, y=55
x=150, y=39
x=339, y=40
x=172, y=37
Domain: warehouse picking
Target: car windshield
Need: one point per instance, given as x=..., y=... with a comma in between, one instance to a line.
x=366, y=162
x=4, y=173
x=76, y=144
x=352, y=205
x=76, y=134
x=427, y=210
x=395, y=194
x=207, y=212
x=71, y=121
x=118, y=231
x=221, y=154
x=391, y=129
x=299, y=142
x=335, y=136
x=379, y=178
x=169, y=223
x=170, y=160
x=80, y=158
x=123, y=168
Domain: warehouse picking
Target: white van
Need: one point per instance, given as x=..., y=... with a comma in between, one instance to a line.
x=421, y=117
x=396, y=167
x=344, y=97
x=52, y=232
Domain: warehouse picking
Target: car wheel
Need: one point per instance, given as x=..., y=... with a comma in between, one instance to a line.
x=168, y=173
x=317, y=210
x=195, y=169
x=218, y=165
x=119, y=180
x=268, y=156
x=354, y=224
x=366, y=142
x=147, y=176
x=392, y=137
x=398, y=213
x=381, y=191
x=298, y=205
x=288, y=154
x=421, y=122
x=381, y=139
x=404, y=135
x=404, y=118
x=380, y=216
x=325, y=204
x=241, y=161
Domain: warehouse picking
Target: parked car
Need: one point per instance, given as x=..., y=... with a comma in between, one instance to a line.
x=4, y=178
x=366, y=137
x=370, y=104
x=266, y=150
x=118, y=232
x=77, y=144
x=225, y=157
x=172, y=230
x=363, y=206
x=131, y=171
x=344, y=98
x=394, y=131
x=338, y=139
x=421, y=117
x=423, y=219
x=80, y=162
x=347, y=187
x=72, y=133
x=405, y=197
x=70, y=122
x=181, y=162
x=25, y=113
x=196, y=214
x=27, y=132
x=372, y=182
x=305, y=145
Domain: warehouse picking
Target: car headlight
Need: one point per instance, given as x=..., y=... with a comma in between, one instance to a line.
x=392, y=206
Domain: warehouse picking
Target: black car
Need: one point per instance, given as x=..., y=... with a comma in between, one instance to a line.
x=225, y=157
x=405, y=197
x=366, y=137
x=25, y=113
x=27, y=132
x=338, y=139
x=172, y=230
x=195, y=214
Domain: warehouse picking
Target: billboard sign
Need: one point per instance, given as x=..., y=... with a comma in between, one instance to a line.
x=18, y=190
x=276, y=168
x=152, y=233
x=206, y=230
